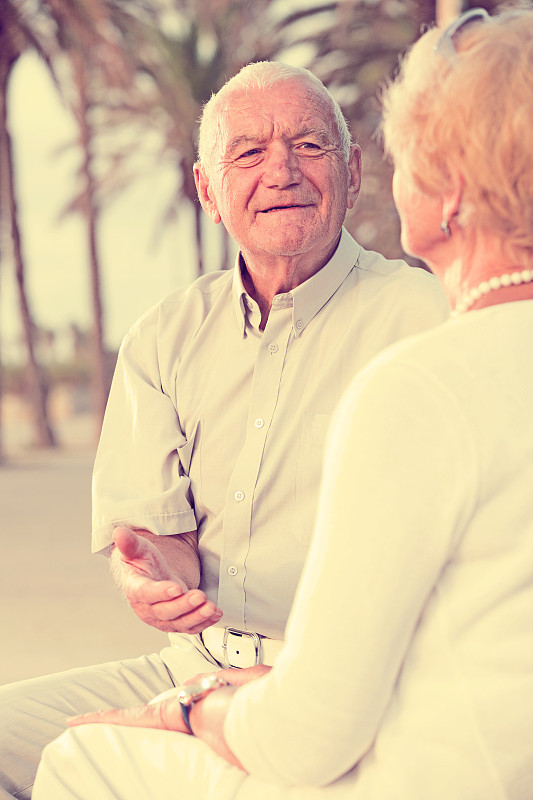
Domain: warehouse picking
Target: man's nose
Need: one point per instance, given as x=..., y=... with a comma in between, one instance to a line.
x=281, y=166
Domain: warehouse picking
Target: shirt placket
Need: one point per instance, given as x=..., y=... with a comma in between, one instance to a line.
x=238, y=522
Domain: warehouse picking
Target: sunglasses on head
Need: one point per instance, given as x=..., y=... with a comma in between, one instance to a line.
x=444, y=44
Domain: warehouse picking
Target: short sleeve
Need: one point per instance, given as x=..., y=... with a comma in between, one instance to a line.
x=141, y=470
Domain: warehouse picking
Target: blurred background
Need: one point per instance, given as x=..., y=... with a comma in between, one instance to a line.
x=99, y=102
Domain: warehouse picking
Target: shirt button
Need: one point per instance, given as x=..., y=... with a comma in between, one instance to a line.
x=299, y=324
x=239, y=496
x=232, y=570
x=259, y=423
x=273, y=348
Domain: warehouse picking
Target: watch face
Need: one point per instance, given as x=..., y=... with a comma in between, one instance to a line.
x=195, y=691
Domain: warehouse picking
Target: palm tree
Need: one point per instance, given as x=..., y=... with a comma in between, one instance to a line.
x=79, y=42
x=89, y=208
x=96, y=62
x=15, y=38
x=184, y=52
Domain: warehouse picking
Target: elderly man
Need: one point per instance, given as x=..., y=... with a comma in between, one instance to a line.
x=209, y=464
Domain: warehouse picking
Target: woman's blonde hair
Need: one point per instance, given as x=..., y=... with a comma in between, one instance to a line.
x=471, y=115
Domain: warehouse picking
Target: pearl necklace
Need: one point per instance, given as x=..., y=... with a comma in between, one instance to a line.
x=491, y=285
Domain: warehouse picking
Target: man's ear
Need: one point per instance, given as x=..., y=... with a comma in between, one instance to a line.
x=205, y=192
x=354, y=168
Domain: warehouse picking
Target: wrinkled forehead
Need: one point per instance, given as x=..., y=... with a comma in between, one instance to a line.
x=289, y=108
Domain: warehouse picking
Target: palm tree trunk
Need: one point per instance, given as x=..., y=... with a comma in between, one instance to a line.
x=1, y=375
x=3, y=204
x=99, y=372
x=37, y=387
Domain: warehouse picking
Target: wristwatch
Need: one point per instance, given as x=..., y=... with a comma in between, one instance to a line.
x=190, y=693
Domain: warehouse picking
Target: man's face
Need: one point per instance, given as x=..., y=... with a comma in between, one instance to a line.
x=278, y=178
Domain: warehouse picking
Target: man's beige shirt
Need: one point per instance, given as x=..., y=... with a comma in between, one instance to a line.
x=215, y=425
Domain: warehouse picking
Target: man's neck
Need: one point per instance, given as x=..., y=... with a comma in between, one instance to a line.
x=263, y=279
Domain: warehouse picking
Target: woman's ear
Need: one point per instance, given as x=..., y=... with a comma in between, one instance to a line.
x=205, y=192
x=453, y=197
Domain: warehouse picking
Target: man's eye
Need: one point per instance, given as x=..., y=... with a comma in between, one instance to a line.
x=310, y=148
x=249, y=154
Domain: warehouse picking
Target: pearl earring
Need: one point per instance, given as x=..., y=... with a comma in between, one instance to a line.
x=445, y=228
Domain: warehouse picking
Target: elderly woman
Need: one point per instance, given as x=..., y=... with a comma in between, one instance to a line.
x=408, y=670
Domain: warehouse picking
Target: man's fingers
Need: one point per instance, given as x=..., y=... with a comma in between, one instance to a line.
x=141, y=589
x=203, y=624
x=195, y=611
x=130, y=545
x=158, y=600
x=159, y=604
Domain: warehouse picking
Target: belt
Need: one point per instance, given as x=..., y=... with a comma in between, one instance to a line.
x=234, y=648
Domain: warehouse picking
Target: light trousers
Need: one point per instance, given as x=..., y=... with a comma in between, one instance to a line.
x=110, y=762
x=34, y=712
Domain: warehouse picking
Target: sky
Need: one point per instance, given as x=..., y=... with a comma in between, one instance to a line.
x=136, y=273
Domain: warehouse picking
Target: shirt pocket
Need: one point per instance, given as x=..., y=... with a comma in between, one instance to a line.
x=311, y=451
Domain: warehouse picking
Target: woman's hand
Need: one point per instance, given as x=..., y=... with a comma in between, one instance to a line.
x=239, y=677
x=233, y=676
x=163, y=712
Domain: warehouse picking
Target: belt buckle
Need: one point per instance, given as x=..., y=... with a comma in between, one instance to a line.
x=256, y=641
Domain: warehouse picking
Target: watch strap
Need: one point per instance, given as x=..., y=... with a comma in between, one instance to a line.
x=189, y=694
x=185, y=710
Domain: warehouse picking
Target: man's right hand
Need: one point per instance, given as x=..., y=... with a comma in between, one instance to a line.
x=156, y=596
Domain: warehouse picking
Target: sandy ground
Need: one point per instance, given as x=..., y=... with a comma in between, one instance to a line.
x=58, y=605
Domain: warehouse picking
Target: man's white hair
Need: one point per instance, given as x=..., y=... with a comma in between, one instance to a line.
x=264, y=75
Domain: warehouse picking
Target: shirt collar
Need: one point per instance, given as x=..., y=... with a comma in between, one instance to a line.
x=242, y=302
x=308, y=298
x=314, y=293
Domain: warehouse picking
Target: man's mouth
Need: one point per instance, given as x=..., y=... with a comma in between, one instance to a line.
x=282, y=208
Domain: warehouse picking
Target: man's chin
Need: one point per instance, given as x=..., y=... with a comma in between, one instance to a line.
x=287, y=249
x=290, y=242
